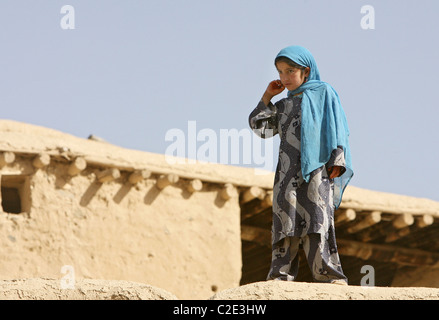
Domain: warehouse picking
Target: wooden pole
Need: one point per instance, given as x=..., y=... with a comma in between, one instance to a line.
x=253, y=208
x=387, y=253
x=108, y=175
x=398, y=228
x=6, y=158
x=365, y=251
x=41, y=160
x=344, y=216
x=403, y=221
x=424, y=221
x=370, y=219
x=77, y=166
x=421, y=222
x=194, y=185
x=166, y=179
x=139, y=175
x=253, y=193
x=229, y=191
x=256, y=234
x=401, y=224
x=398, y=234
x=268, y=199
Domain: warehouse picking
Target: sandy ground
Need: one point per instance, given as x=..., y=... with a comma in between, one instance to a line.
x=50, y=289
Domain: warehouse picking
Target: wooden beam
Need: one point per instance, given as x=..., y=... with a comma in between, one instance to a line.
x=256, y=234
x=253, y=208
x=387, y=253
x=424, y=221
x=257, y=208
x=402, y=225
x=391, y=231
x=268, y=199
x=194, y=185
x=229, y=191
x=354, y=249
x=252, y=193
x=166, y=179
x=421, y=222
x=397, y=234
x=402, y=221
x=364, y=251
x=41, y=160
x=6, y=158
x=369, y=219
x=344, y=216
x=139, y=175
x=108, y=175
x=77, y=166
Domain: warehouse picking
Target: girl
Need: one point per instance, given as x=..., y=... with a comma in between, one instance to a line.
x=314, y=166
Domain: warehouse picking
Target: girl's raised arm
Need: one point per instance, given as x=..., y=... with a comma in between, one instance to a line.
x=263, y=119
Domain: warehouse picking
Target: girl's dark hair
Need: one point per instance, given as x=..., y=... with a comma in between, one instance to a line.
x=289, y=62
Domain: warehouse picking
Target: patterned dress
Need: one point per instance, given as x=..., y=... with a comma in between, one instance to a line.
x=299, y=208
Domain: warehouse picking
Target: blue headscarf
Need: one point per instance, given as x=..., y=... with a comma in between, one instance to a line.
x=324, y=124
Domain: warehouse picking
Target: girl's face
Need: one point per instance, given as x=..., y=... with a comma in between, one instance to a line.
x=291, y=77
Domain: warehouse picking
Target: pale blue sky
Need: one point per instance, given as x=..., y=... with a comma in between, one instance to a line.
x=132, y=70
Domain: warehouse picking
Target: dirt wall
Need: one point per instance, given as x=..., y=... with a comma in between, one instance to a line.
x=188, y=244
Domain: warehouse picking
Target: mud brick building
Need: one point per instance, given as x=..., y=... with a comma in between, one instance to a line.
x=191, y=229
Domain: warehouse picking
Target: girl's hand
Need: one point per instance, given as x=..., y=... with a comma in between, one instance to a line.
x=334, y=172
x=274, y=88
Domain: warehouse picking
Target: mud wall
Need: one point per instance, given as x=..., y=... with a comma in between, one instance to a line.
x=186, y=243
